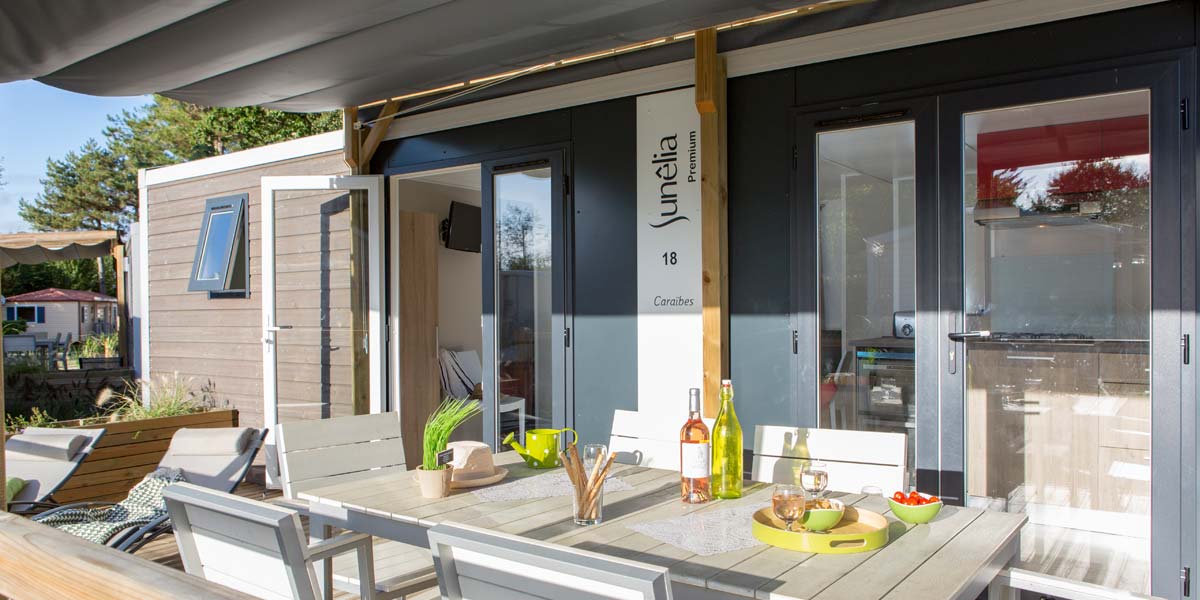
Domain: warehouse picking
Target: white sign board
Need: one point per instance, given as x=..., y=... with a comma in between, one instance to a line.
x=670, y=330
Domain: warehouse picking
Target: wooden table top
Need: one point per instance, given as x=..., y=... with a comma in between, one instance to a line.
x=943, y=559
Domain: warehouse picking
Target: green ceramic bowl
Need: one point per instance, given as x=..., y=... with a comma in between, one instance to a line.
x=915, y=514
x=823, y=519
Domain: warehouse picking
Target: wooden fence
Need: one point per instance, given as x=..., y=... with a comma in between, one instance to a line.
x=128, y=451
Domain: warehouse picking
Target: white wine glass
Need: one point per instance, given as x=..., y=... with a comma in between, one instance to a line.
x=815, y=478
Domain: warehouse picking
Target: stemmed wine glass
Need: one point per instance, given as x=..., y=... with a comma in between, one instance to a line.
x=814, y=479
x=788, y=504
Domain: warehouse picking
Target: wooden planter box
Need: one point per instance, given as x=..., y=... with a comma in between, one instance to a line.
x=127, y=452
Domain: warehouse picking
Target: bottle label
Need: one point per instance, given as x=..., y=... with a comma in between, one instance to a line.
x=696, y=462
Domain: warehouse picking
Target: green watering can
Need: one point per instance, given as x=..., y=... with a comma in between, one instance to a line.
x=541, y=446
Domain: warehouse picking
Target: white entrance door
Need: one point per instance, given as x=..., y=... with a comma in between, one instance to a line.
x=308, y=320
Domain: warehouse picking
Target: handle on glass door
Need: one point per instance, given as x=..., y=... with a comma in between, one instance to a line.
x=965, y=336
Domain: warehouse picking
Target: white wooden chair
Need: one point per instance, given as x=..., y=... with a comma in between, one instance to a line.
x=641, y=440
x=475, y=563
x=255, y=547
x=853, y=459
x=345, y=449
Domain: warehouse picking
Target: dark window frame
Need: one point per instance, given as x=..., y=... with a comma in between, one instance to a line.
x=232, y=278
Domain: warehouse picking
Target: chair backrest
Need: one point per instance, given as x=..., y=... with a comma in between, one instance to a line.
x=250, y=546
x=641, y=440
x=20, y=343
x=323, y=452
x=216, y=458
x=43, y=472
x=476, y=563
x=853, y=459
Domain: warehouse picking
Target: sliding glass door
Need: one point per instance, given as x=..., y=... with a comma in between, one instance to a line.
x=1061, y=274
x=525, y=329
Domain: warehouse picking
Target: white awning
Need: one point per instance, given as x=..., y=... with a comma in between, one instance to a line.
x=310, y=55
x=37, y=248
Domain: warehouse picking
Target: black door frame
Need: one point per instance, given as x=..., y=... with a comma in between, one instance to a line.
x=921, y=111
x=557, y=158
x=940, y=466
x=1168, y=238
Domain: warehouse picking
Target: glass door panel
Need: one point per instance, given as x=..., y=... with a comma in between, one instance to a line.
x=1057, y=313
x=866, y=213
x=527, y=338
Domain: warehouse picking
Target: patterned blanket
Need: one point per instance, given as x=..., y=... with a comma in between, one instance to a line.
x=143, y=505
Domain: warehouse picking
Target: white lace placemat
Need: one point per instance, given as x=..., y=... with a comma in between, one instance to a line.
x=547, y=485
x=706, y=532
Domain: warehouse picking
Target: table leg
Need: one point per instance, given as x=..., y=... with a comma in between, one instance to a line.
x=319, y=529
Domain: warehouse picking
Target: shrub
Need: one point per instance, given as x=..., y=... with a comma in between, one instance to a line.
x=15, y=327
x=168, y=396
x=99, y=345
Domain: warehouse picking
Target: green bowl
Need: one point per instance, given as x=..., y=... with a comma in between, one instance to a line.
x=915, y=514
x=823, y=519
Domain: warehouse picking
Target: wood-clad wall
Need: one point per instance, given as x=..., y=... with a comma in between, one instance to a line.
x=219, y=339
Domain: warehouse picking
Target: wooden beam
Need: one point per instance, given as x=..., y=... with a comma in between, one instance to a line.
x=3, y=417
x=714, y=203
x=351, y=147
x=378, y=131
x=118, y=254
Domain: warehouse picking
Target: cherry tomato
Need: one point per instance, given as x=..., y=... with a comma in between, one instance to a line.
x=934, y=499
x=899, y=497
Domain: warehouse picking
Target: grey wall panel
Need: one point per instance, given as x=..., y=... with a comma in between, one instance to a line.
x=760, y=271
x=605, y=287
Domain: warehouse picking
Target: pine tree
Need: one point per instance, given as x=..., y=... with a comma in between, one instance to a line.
x=95, y=187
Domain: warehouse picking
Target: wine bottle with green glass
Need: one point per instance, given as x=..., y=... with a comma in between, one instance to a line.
x=727, y=448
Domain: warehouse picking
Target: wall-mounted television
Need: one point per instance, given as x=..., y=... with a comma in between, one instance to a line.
x=462, y=230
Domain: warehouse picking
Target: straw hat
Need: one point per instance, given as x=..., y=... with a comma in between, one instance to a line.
x=473, y=465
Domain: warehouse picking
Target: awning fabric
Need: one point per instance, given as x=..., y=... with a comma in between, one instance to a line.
x=311, y=55
x=36, y=248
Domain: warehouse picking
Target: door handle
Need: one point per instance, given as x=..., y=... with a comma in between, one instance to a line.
x=279, y=327
x=965, y=336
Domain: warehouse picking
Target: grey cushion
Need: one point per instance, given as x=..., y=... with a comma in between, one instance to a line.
x=225, y=441
x=45, y=446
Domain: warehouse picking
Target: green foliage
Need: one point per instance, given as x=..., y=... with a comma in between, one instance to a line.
x=20, y=364
x=168, y=396
x=98, y=345
x=78, y=274
x=15, y=327
x=36, y=418
x=451, y=413
x=95, y=187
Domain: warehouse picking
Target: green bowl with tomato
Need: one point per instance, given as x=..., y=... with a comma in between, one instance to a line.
x=915, y=508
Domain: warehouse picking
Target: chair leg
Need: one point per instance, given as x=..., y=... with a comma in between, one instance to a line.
x=366, y=571
x=319, y=530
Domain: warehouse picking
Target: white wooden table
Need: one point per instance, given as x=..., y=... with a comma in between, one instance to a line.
x=955, y=556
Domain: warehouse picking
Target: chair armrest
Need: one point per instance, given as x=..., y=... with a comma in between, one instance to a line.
x=30, y=507
x=338, y=544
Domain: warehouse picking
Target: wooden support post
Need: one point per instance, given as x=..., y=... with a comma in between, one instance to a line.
x=378, y=131
x=118, y=254
x=352, y=145
x=3, y=416
x=357, y=153
x=714, y=203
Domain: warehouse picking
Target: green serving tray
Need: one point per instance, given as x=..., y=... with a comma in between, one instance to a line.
x=858, y=531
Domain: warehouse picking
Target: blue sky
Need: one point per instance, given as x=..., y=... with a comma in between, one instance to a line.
x=38, y=122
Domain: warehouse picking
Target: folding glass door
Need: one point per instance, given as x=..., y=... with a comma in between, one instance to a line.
x=525, y=330
x=869, y=184
x=1061, y=280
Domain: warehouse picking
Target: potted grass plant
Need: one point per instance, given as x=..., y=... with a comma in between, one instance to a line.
x=432, y=475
